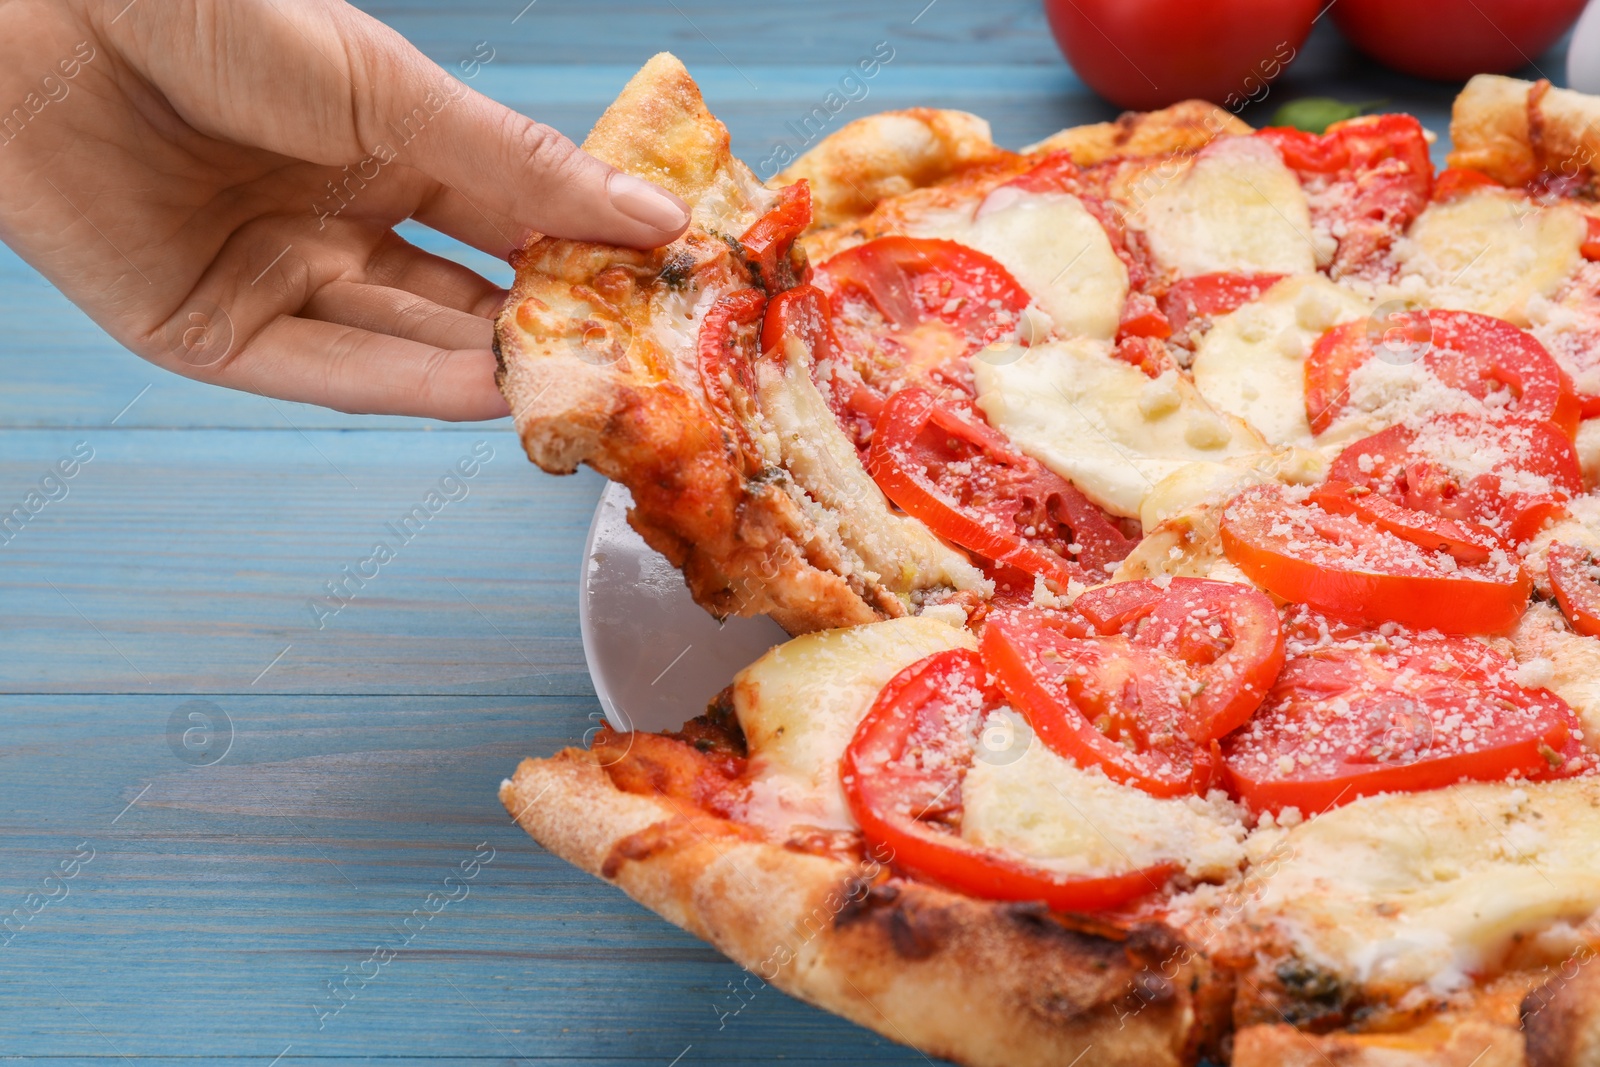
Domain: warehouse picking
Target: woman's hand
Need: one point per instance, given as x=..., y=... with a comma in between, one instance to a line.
x=216, y=182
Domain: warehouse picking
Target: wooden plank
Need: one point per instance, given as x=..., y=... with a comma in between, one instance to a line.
x=187, y=560
x=219, y=898
x=827, y=32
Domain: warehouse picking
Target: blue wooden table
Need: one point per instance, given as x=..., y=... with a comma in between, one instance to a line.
x=212, y=811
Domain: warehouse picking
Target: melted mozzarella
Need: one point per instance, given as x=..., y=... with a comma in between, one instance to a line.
x=1078, y=821
x=1187, y=545
x=1212, y=483
x=1181, y=516
x=799, y=705
x=1492, y=252
x=1428, y=888
x=895, y=550
x=676, y=316
x=1553, y=657
x=1054, y=248
x=1100, y=422
x=1237, y=209
x=1588, y=446
x=1579, y=526
x=1252, y=362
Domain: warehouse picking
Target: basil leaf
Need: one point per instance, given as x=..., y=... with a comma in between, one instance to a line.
x=1314, y=114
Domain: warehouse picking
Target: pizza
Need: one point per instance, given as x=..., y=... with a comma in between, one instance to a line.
x=1190, y=543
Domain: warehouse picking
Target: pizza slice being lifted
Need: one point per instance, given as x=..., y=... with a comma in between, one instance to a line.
x=1192, y=534
x=640, y=364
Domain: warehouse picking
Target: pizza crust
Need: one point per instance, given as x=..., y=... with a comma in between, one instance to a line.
x=1463, y=1042
x=978, y=982
x=1520, y=1021
x=1186, y=126
x=879, y=174
x=875, y=158
x=1561, y=1017
x=1515, y=130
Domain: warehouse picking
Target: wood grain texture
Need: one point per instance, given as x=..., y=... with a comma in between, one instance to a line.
x=214, y=909
x=183, y=559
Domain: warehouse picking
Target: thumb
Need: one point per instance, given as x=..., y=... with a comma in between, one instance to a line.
x=497, y=163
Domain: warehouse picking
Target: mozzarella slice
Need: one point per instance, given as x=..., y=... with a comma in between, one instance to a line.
x=1429, y=888
x=1187, y=545
x=1204, y=483
x=1181, y=516
x=800, y=704
x=1491, y=251
x=1553, y=657
x=1252, y=362
x=1052, y=246
x=1579, y=526
x=895, y=550
x=1236, y=209
x=1100, y=422
x=1078, y=821
x=1588, y=446
x=1568, y=327
x=676, y=316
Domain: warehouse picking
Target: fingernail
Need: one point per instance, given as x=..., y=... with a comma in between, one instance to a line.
x=647, y=203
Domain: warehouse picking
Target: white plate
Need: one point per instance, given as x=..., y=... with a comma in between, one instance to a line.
x=655, y=656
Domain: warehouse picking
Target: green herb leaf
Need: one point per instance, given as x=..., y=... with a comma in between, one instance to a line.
x=1314, y=114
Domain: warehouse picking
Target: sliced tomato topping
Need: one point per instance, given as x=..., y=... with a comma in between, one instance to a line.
x=1099, y=701
x=1476, y=354
x=1378, y=176
x=1575, y=577
x=1209, y=295
x=1479, y=353
x=1302, y=151
x=778, y=262
x=1142, y=317
x=1591, y=241
x=1370, y=714
x=1511, y=475
x=1138, y=679
x=1134, y=254
x=802, y=313
x=1147, y=353
x=1455, y=181
x=1054, y=173
x=1465, y=542
x=1226, y=635
x=1401, y=338
x=902, y=775
x=1341, y=565
x=1576, y=346
x=725, y=348
x=948, y=468
x=908, y=306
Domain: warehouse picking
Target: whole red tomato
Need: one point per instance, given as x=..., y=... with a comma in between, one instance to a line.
x=1145, y=54
x=1454, y=39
